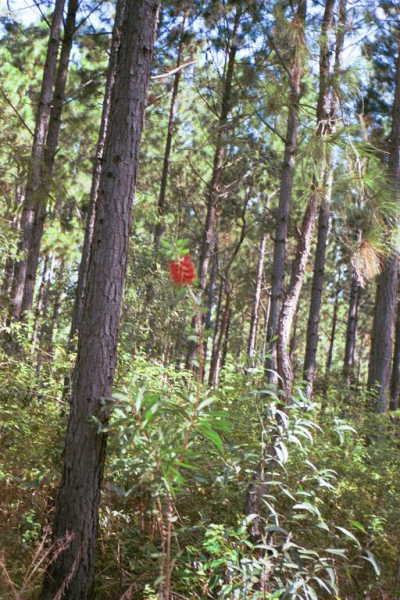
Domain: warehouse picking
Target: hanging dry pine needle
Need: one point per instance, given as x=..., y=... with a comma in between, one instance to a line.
x=366, y=262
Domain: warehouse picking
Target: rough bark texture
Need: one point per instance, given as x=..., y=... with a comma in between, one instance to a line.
x=285, y=201
x=35, y=174
x=382, y=333
x=386, y=294
x=351, y=330
x=71, y=574
x=90, y=218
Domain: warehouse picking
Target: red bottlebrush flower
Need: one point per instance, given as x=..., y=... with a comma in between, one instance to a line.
x=182, y=272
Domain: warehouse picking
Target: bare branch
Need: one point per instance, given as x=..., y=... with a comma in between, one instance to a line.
x=173, y=71
x=20, y=117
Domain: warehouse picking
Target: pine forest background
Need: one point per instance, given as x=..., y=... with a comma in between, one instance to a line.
x=242, y=439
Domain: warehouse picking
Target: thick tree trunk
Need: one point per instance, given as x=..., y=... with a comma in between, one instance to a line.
x=285, y=201
x=351, y=330
x=71, y=575
x=386, y=294
x=35, y=173
x=91, y=212
x=382, y=333
x=255, y=311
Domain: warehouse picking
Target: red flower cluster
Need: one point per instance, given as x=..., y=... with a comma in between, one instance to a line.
x=182, y=272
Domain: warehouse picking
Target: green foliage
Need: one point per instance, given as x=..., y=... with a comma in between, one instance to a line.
x=181, y=460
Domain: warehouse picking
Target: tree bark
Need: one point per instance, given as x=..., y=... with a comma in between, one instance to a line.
x=71, y=575
x=382, y=333
x=91, y=213
x=386, y=294
x=35, y=174
x=285, y=201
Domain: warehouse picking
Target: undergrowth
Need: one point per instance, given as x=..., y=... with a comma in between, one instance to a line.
x=181, y=462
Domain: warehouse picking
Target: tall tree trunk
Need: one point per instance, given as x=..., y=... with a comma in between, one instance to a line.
x=255, y=311
x=285, y=201
x=310, y=357
x=351, y=330
x=382, y=333
x=386, y=294
x=91, y=212
x=290, y=304
x=35, y=172
x=43, y=189
x=209, y=238
x=326, y=117
x=71, y=575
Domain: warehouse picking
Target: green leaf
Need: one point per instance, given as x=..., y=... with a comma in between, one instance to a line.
x=206, y=430
x=205, y=403
x=282, y=452
x=358, y=526
x=308, y=507
x=337, y=552
x=371, y=559
x=349, y=535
